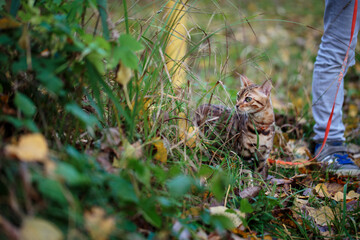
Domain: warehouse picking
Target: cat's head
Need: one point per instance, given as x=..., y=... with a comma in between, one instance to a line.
x=253, y=98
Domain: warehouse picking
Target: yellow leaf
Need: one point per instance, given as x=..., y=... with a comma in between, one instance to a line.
x=7, y=23
x=177, y=45
x=30, y=148
x=352, y=195
x=353, y=110
x=322, y=216
x=39, y=229
x=338, y=196
x=188, y=134
x=123, y=74
x=99, y=226
x=321, y=189
x=161, y=154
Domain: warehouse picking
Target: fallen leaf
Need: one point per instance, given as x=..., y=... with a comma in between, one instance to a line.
x=161, y=154
x=99, y=226
x=321, y=216
x=353, y=110
x=339, y=196
x=299, y=203
x=353, y=195
x=233, y=215
x=7, y=23
x=277, y=181
x=322, y=190
x=39, y=229
x=250, y=192
x=333, y=188
x=110, y=139
x=30, y=148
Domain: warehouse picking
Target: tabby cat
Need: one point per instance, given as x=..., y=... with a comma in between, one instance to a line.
x=249, y=129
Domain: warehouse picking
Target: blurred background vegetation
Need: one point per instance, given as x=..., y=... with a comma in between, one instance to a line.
x=92, y=142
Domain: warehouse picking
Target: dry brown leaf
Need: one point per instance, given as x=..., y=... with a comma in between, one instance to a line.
x=339, y=196
x=353, y=195
x=333, y=188
x=161, y=154
x=322, y=190
x=321, y=216
x=7, y=23
x=39, y=229
x=98, y=225
x=300, y=203
x=110, y=139
x=30, y=148
x=250, y=192
x=283, y=181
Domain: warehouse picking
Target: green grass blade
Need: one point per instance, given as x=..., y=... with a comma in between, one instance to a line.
x=102, y=6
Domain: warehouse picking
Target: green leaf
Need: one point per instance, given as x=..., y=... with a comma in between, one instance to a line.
x=21, y=65
x=52, y=189
x=221, y=222
x=15, y=4
x=142, y=172
x=97, y=61
x=123, y=190
x=2, y=4
x=30, y=124
x=205, y=171
x=71, y=175
x=87, y=119
x=24, y=104
x=50, y=81
x=127, y=57
x=126, y=40
x=179, y=185
x=14, y=121
x=218, y=185
x=149, y=212
x=245, y=206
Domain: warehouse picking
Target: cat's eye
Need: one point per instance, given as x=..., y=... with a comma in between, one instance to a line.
x=248, y=99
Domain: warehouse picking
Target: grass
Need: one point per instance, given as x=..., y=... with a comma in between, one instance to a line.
x=89, y=125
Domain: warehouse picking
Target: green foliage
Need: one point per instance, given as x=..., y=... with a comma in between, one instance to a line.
x=57, y=77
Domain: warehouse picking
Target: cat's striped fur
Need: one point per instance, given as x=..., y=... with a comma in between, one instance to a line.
x=249, y=129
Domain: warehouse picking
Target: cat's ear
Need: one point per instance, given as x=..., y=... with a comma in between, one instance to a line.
x=266, y=87
x=245, y=82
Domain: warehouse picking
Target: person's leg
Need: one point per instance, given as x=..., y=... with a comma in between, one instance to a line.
x=331, y=54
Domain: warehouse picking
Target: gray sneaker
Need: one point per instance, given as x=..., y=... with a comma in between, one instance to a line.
x=335, y=158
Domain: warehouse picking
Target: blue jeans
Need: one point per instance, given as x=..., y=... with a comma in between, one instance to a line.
x=334, y=43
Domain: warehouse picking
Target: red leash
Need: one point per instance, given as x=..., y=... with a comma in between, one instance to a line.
x=341, y=75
